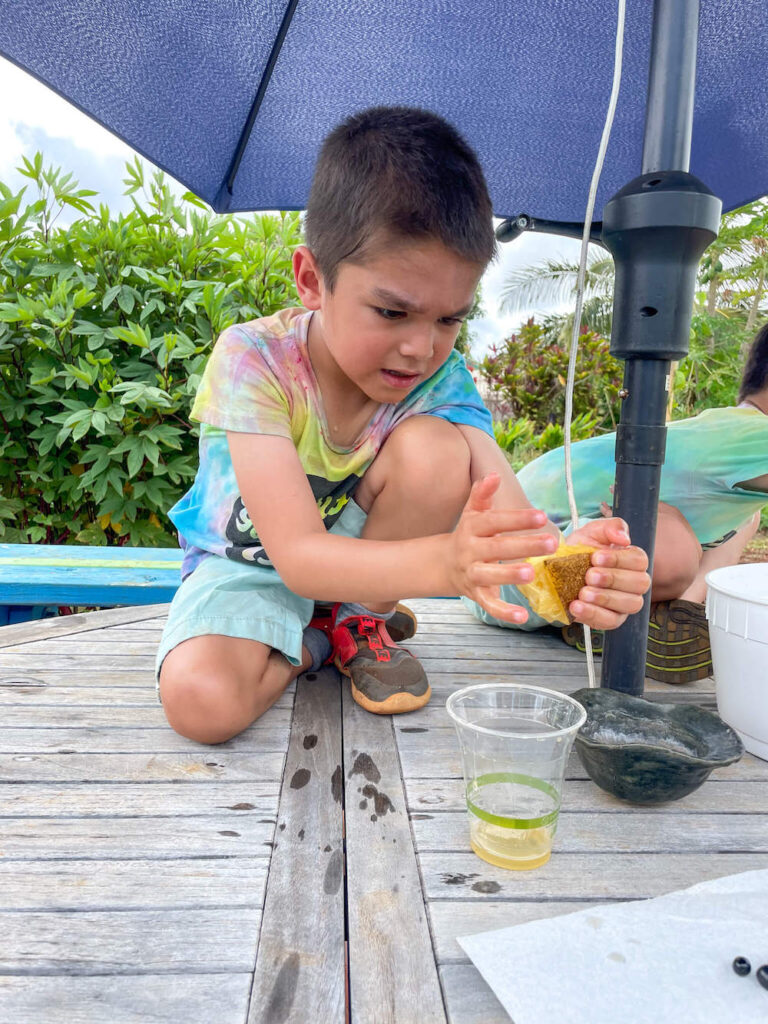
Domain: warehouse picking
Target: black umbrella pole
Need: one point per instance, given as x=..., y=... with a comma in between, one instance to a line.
x=656, y=227
x=640, y=442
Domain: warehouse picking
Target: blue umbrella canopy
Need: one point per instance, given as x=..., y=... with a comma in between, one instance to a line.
x=232, y=97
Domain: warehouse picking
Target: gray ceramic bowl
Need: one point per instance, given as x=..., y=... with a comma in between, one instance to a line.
x=646, y=752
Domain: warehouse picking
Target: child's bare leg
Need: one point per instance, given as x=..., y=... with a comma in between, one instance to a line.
x=212, y=687
x=418, y=484
x=728, y=553
x=677, y=555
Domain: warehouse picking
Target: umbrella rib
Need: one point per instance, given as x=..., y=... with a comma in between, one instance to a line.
x=277, y=46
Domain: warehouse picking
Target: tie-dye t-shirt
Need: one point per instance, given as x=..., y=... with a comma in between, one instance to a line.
x=259, y=380
x=707, y=456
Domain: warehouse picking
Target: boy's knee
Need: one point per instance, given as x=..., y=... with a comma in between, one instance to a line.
x=199, y=704
x=431, y=456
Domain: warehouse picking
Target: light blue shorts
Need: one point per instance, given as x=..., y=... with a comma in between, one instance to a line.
x=235, y=599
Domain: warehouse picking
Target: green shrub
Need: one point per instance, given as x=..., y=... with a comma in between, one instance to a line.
x=105, y=326
x=526, y=376
x=522, y=441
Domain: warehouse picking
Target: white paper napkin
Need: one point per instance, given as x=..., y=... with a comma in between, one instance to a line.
x=662, y=961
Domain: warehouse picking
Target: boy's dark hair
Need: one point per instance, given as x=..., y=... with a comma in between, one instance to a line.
x=405, y=172
x=755, y=376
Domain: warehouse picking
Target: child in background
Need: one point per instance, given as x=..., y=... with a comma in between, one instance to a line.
x=346, y=456
x=714, y=482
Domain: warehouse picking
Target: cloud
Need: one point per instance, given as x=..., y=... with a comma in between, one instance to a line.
x=35, y=105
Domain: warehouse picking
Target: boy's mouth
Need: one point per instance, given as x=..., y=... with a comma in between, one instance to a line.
x=400, y=378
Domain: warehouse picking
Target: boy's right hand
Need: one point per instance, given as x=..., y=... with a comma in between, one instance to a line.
x=486, y=538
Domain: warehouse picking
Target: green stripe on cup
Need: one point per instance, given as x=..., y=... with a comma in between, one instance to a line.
x=521, y=780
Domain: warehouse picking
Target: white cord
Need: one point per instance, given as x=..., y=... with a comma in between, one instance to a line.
x=617, y=63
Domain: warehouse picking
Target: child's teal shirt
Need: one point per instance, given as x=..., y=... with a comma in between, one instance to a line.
x=707, y=457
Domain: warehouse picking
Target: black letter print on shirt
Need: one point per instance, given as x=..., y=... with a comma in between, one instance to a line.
x=331, y=496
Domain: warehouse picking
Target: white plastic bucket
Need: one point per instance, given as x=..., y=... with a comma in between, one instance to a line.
x=737, y=610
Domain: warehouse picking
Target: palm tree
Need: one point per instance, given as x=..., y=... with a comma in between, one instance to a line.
x=552, y=282
x=733, y=278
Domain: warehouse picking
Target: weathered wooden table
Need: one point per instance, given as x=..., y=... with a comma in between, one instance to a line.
x=313, y=867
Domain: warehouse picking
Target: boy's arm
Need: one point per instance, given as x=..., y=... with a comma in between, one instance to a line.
x=317, y=564
x=618, y=576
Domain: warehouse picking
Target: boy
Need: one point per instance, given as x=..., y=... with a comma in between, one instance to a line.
x=339, y=444
x=714, y=482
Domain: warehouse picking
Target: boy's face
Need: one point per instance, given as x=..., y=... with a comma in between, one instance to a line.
x=392, y=321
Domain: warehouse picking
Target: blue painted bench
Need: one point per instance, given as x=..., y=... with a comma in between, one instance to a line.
x=36, y=577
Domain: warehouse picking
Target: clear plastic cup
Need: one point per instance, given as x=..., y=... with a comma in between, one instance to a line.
x=515, y=741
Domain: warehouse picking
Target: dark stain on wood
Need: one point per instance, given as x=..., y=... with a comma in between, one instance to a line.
x=332, y=879
x=421, y=817
x=327, y=848
x=381, y=802
x=486, y=887
x=301, y=833
x=229, y=832
x=310, y=741
x=413, y=728
x=213, y=764
x=364, y=765
x=281, y=826
x=337, y=784
x=66, y=751
x=283, y=991
x=363, y=805
x=300, y=778
x=244, y=807
x=457, y=879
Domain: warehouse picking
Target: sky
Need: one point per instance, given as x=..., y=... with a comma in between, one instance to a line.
x=33, y=117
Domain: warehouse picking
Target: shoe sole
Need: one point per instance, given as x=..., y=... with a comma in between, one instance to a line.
x=397, y=704
x=684, y=660
x=678, y=650
x=405, y=624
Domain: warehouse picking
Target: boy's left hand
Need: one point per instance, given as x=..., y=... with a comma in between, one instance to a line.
x=617, y=579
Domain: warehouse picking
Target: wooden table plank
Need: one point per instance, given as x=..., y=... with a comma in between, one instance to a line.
x=468, y=999
x=57, y=690
x=716, y=795
x=579, y=876
x=130, y=800
x=299, y=973
x=184, y=766
x=133, y=884
x=262, y=737
x=132, y=942
x=452, y=918
x=142, y=838
x=63, y=625
x=92, y=716
x=579, y=832
x=188, y=998
x=437, y=755
x=393, y=978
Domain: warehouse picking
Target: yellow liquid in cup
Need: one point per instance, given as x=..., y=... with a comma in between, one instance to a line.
x=517, y=849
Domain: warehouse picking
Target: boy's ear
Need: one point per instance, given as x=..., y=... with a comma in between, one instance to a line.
x=309, y=280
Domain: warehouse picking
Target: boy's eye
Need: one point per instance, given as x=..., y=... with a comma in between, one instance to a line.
x=451, y=321
x=389, y=314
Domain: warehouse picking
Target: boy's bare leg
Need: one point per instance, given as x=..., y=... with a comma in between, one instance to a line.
x=724, y=554
x=212, y=687
x=418, y=484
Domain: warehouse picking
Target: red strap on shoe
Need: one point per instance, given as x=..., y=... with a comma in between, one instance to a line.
x=372, y=631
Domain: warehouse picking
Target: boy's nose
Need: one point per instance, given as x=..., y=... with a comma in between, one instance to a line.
x=418, y=343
